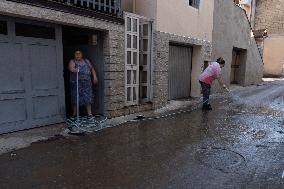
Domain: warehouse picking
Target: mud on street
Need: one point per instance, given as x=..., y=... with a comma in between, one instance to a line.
x=240, y=144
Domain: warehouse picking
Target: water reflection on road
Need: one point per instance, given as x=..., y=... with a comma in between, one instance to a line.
x=234, y=146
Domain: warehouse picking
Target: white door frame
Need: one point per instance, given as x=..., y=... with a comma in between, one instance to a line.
x=134, y=100
x=132, y=65
x=145, y=53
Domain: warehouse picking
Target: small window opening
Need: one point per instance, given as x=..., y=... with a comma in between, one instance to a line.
x=28, y=30
x=194, y=3
x=3, y=28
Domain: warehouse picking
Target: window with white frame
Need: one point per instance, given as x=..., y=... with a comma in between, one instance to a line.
x=132, y=60
x=194, y=3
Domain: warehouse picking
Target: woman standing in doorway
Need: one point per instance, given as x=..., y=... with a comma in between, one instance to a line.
x=85, y=70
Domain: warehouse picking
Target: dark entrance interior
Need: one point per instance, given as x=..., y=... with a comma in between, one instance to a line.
x=91, y=44
x=238, y=66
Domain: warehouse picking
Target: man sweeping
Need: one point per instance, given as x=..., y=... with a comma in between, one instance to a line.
x=211, y=73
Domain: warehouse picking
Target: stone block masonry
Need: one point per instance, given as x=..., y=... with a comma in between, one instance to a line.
x=270, y=16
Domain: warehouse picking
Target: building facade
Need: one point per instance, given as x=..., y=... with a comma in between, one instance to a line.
x=269, y=15
x=233, y=40
x=250, y=7
x=37, y=40
x=141, y=60
x=145, y=52
x=182, y=41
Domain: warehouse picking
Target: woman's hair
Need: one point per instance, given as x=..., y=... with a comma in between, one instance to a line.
x=221, y=60
x=78, y=50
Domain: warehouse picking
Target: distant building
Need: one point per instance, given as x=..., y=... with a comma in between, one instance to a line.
x=249, y=6
x=269, y=16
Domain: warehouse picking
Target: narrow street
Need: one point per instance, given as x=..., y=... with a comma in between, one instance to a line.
x=240, y=144
x=114, y=94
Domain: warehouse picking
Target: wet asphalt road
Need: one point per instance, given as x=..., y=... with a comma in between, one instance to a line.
x=234, y=146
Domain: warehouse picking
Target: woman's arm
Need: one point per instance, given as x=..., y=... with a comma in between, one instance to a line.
x=220, y=80
x=93, y=71
x=222, y=83
x=72, y=66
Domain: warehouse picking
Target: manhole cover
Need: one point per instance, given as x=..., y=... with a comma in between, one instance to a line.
x=220, y=159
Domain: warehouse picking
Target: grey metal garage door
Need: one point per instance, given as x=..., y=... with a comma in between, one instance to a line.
x=31, y=78
x=180, y=59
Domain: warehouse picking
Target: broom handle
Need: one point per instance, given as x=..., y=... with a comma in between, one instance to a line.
x=77, y=94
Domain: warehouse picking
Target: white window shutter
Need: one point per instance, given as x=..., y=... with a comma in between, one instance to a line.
x=131, y=60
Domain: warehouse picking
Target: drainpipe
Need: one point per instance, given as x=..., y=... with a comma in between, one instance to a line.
x=134, y=6
x=251, y=7
x=253, y=13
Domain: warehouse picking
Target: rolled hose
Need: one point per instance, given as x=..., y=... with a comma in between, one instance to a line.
x=86, y=123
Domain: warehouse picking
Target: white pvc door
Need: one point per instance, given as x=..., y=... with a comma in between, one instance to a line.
x=145, y=60
x=132, y=60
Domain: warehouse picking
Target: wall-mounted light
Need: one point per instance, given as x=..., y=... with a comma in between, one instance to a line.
x=94, y=40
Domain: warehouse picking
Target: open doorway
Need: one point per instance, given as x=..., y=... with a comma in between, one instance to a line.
x=90, y=42
x=238, y=66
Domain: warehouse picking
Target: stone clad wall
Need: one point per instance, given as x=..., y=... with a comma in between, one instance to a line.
x=114, y=71
x=115, y=76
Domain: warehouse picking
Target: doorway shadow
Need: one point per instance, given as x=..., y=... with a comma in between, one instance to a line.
x=90, y=42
